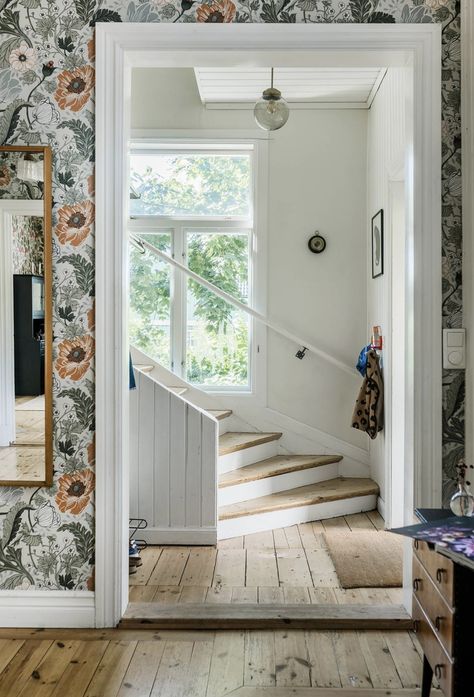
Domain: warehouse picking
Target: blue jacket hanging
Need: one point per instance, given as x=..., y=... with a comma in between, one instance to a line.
x=362, y=360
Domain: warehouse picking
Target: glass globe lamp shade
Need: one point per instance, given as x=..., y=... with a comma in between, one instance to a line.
x=271, y=112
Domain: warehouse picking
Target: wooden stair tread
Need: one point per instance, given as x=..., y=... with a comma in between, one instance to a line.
x=273, y=466
x=233, y=441
x=242, y=616
x=220, y=414
x=144, y=368
x=321, y=492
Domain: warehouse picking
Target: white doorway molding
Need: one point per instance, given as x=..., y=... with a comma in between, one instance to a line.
x=123, y=46
x=467, y=119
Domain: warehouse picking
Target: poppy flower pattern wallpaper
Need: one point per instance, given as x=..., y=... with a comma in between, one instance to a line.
x=47, y=97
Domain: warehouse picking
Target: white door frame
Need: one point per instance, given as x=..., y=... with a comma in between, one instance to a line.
x=123, y=46
x=394, y=367
x=8, y=209
x=467, y=120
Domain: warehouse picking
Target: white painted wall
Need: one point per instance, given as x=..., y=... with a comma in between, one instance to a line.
x=388, y=150
x=317, y=181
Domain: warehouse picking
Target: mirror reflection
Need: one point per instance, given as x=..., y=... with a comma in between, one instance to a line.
x=25, y=309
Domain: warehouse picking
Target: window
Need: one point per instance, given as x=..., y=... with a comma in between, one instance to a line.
x=196, y=204
x=150, y=299
x=192, y=184
x=217, y=334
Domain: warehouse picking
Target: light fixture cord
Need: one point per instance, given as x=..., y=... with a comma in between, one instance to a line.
x=272, y=79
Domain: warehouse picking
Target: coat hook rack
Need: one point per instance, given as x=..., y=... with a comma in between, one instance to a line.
x=301, y=353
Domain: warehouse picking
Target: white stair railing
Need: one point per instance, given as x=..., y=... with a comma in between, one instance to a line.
x=307, y=345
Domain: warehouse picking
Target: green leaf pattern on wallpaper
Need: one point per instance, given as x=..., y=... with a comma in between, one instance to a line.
x=47, y=96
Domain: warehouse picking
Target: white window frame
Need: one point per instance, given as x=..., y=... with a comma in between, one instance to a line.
x=204, y=142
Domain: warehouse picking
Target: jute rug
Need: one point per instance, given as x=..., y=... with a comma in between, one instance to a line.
x=366, y=559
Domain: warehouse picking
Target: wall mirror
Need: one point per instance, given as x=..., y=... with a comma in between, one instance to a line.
x=26, y=457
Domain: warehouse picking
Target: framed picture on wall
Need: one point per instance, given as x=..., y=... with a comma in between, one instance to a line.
x=377, y=244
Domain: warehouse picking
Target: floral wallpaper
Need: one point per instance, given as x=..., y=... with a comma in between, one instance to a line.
x=47, y=96
x=28, y=244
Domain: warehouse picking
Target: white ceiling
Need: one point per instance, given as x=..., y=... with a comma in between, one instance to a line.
x=298, y=85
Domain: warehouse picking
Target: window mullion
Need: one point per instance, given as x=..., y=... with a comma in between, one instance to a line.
x=179, y=318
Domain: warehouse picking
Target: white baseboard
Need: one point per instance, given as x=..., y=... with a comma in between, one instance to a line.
x=178, y=536
x=381, y=507
x=39, y=609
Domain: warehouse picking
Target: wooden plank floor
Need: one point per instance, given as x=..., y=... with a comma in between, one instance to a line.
x=114, y=663
x=289, y=565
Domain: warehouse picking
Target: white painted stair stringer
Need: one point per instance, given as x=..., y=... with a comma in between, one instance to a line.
x=280, y=482
x=270, y=520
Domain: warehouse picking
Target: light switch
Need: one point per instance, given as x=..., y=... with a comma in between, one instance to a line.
x=454, y=349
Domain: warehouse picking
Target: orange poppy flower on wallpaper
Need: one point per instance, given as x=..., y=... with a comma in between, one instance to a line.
x=74, y=357
x=74, y=88
x=91, y=319
x=91, y=184
x=216, y=13
x=4, y=175
x=91, y=453
x=91, y=582
x=74, y=491
x=91, y=49
x=74, y=223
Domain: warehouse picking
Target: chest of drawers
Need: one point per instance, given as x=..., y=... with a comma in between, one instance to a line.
x=443, y=601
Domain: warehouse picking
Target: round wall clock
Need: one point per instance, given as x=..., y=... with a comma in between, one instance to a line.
x=317, y=243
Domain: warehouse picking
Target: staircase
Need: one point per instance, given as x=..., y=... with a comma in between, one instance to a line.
x=261, y=489
x=184, y=456
x=183, y=452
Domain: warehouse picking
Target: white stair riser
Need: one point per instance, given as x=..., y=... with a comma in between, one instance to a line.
x=271, y=520
x=227, y=424
x=271, y=485
x=248, y=456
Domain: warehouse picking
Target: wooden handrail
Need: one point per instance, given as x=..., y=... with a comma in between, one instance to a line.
x=143, y=245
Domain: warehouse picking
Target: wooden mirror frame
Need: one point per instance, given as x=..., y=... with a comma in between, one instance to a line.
x=45, y=150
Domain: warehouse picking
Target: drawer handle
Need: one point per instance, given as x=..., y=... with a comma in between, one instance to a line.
x=438, y=623
x=438, y=671
x=440, y=575
x=416, y=544
x=416, y=584
x=416, y=626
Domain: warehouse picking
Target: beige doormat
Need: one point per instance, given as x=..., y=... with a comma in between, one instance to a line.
x=366, y=559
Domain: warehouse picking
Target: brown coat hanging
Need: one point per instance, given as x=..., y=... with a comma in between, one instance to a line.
x=368, y=411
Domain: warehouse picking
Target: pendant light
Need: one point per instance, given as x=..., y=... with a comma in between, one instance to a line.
x=271, y=111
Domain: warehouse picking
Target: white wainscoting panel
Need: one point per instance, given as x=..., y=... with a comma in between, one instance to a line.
x=173, y=465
